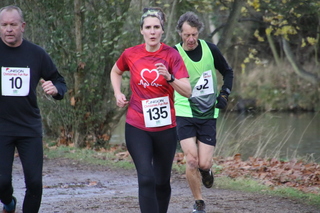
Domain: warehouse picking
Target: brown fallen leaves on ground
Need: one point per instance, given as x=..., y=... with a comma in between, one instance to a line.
x=271, y=172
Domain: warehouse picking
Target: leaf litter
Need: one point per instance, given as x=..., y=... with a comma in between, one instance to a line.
x=75, y=187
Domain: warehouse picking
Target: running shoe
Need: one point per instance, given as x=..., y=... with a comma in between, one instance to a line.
x=199, y=207
x=207, y=178
x=14, y=210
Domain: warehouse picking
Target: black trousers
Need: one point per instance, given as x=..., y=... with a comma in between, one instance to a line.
x=152, y=153
x=30, y=151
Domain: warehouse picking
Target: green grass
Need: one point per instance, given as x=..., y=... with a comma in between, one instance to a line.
x=242, y=184
x=250, y=185
x=179, y=168
x=88, y=156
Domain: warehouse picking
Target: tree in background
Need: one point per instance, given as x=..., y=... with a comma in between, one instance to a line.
x=270, y=42
x=85, y=37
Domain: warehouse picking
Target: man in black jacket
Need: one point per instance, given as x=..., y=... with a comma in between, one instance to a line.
x=23, y=64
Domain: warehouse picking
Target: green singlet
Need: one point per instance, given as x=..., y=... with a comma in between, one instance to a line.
x=203, y=82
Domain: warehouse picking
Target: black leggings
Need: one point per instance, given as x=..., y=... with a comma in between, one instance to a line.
x=31, y=155
x=152, y=153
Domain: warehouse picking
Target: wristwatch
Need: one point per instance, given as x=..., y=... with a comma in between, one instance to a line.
x=172, y=79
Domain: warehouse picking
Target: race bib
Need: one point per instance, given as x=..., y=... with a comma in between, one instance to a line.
x=156, y=112
x=15, y=81
x=204, y=85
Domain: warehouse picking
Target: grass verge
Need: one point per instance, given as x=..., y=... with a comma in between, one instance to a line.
x=112, y=159
x=250, y=185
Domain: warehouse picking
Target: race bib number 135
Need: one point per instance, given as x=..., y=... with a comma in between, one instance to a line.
x=15, y=81
x=156, y=112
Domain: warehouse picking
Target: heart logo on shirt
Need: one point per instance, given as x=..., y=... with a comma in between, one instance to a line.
x=152, y=75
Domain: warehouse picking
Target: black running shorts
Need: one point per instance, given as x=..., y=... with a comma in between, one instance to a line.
x=203, y=129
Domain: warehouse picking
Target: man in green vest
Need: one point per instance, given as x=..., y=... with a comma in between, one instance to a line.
x=196, y=116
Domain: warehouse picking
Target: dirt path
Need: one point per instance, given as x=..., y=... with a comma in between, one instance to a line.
x=70, y=187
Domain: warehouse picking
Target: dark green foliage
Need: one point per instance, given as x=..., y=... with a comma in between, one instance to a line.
x=88, y=113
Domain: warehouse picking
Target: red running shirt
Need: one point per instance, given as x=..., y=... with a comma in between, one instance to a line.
x=145, y=83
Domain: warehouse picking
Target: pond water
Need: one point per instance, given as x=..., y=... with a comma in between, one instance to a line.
x=280, y=135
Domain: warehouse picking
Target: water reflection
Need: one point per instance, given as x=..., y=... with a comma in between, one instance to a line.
x=281, y=135
x=284, y=135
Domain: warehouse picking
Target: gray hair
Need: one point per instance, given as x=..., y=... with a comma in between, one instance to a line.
x=13, y=7
x=192, y=19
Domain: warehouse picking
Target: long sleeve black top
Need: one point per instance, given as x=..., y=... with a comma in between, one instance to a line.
x=20, y=115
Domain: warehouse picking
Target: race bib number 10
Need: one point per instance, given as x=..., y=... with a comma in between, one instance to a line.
x=15, y=81
x=156, y=112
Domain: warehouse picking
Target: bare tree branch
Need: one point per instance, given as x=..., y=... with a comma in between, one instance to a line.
x=314, y=79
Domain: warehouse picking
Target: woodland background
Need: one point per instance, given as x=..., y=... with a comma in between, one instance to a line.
x=273, y=47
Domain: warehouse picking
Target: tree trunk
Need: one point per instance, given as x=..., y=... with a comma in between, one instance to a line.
x=170, y=24
x=79, y=135
x=227, y=34
x=273, y=49
x=314, y=79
